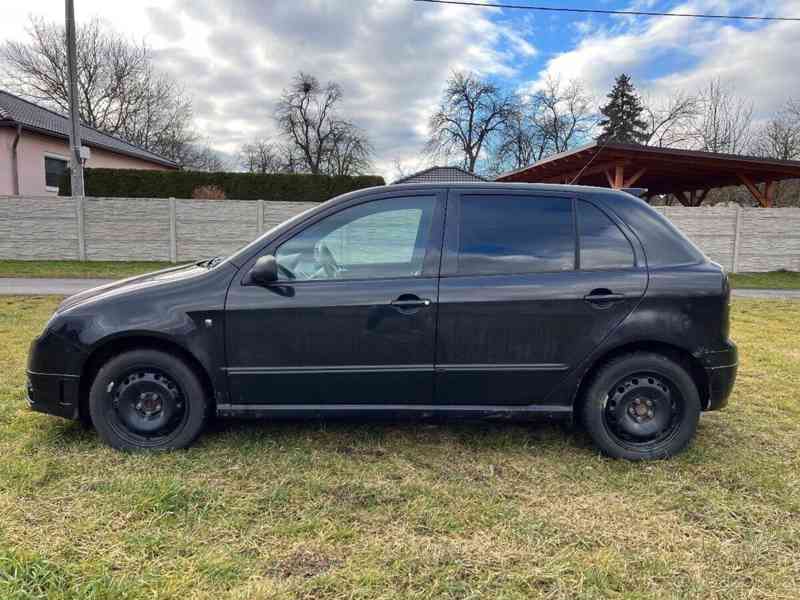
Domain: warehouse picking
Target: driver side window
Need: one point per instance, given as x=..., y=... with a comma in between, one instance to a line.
x=379, y=239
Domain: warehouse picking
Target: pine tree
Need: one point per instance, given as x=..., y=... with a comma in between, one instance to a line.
x=623, y=122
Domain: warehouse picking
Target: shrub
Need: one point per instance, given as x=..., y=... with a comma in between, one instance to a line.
x=136, y=183
x=208, y=192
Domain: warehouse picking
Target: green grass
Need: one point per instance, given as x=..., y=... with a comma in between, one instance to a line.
x=779, y=280
x=75, y=268
x=359, y=510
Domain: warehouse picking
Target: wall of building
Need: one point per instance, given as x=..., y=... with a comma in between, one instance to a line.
x=6, y=167
x=741, y=239
x=32, y=149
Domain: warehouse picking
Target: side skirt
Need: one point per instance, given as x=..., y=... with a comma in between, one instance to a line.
x=422, y=411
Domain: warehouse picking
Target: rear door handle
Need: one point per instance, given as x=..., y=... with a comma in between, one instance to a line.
x=410, y=303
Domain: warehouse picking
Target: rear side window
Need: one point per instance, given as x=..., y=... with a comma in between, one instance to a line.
x=602, y=244
x=515, y=234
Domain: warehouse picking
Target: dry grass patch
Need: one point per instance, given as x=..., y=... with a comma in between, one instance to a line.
x=405, y=510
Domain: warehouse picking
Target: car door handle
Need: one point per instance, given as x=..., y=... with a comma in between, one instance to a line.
x=603, y=297
x=410, y=302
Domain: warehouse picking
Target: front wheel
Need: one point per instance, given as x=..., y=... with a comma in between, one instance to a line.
x=147, y=400
x=641, y=406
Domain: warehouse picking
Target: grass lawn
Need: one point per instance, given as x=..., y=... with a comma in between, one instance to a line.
x=356, y=510
x=779, y=280
x=76, y=268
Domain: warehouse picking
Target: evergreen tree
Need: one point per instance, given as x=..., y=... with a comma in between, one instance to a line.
x=623, y=121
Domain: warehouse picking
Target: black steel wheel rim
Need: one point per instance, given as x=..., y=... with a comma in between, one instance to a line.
x=643, y=409
x=146, y=406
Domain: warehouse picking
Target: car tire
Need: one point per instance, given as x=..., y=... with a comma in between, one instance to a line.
x=147, y=400
x=641, y=406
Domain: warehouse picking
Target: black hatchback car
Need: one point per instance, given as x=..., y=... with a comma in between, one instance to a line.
x=490, y=300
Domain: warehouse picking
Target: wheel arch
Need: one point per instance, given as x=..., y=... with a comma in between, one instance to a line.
x=115, y=346
x=676, y=353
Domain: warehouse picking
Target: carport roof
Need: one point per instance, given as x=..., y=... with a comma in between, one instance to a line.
x=660, y=170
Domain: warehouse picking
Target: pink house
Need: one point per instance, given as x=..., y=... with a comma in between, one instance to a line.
x=34, y=149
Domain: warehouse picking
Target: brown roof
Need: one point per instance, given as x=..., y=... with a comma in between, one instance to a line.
x=441, y=175
x=660, y=170
x=17, y=111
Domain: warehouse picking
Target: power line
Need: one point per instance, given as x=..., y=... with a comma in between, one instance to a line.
x=599, y=11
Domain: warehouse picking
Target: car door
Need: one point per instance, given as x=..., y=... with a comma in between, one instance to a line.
x=351, y=319
x=517, y=309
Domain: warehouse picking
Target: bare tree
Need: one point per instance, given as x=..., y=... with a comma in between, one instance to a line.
x=201, y=157
x=350, y=151
x=552, y=120
x=121, y=93
x=671, y=120
x=725, y=123
x=780, y=136
x=306, y=115
x=261, y=156
x=563, y=114
x=472, y=113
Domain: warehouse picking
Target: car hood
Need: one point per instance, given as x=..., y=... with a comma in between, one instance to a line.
x=125, y=286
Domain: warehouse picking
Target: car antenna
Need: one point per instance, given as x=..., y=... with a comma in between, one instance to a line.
x=590, y=161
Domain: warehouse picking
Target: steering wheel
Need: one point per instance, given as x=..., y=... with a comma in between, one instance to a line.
x=326, y=260
x=286, y=272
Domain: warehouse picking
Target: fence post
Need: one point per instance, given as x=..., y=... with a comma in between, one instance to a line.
x=173, y=237
x=260, y=213
x=81, y=216
x=736, y=235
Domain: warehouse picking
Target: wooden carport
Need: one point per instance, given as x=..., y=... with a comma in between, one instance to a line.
x=687, y=174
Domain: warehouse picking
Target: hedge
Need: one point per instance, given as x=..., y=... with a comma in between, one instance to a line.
x=136, y=183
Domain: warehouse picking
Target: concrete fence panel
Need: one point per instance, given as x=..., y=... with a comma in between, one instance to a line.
x=179, y=230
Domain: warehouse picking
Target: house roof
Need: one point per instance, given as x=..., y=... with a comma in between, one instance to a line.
x=660, y=170
x=14, y=111
x=440, y=175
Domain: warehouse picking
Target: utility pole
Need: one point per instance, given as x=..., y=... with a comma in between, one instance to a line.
x=76, y=163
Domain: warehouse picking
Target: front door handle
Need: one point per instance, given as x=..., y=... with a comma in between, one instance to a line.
x=405, y=302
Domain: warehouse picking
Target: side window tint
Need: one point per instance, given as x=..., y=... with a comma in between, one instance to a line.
x=379, y=239
x=603, y=246
x=515, y=234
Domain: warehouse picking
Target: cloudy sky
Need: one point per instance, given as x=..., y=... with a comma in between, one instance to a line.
x=392, y=56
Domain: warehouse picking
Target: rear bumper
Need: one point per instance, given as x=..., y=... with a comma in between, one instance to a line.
x=53, y=394
x=721, y=367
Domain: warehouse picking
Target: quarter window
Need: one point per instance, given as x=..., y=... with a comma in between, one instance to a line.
x=54, y=168
x=379, y=239
x=603, y=246
x=515, y=234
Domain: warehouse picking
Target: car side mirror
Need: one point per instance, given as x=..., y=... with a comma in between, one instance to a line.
x=265, y=270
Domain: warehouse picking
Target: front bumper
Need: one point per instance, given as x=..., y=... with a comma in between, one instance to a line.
x=51, y=387
x=721, y=367
x=54, y=394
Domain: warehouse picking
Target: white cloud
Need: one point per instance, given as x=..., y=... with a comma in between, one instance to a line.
x=390, y=56
x=665, y=54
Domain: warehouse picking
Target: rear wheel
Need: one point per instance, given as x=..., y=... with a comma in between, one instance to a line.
x=641, y=406
x=147, y=400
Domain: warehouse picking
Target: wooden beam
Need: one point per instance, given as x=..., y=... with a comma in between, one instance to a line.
x=609, y=178
x=635, y=177
x=769, y=192
x=619, y=176
x=753, y=188
x=681, y=196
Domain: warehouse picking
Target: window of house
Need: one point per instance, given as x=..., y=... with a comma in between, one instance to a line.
x=515, y=234
x=54, y=168
x=603, y=246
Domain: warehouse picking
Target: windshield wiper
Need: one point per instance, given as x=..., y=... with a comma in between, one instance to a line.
x=210, y=263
